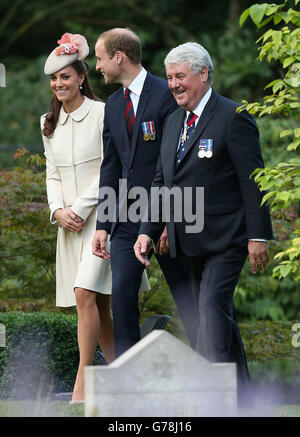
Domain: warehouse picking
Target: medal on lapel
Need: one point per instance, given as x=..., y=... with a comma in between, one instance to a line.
x=184, y=136
x=148, y=130
x=205, y=148
x=152, y=130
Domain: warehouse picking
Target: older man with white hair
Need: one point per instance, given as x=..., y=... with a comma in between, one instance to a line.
x=208, y=143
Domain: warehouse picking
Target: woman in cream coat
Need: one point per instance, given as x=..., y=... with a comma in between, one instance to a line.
x=72, y=136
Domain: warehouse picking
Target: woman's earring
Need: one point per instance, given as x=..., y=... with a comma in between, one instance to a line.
x=80, y=87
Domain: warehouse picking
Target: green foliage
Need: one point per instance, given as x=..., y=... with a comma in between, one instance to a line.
x=24, y=46
x=25, y=98
x=265, y=298
x=282, y=45
x=266, y=340
x=40, y=408
x=27, y=241
x=274, y=364
x=41, y=354
x=235, y=76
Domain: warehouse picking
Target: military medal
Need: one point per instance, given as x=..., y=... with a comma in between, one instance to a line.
x=209, y=146
x=146, y=131
x=201, y=153
x=202, y=149
x=184, y=136
x=152, y=130
x=205, y=148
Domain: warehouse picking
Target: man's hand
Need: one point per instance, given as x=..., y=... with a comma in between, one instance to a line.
x=99, y=244
x=162, y=246
x=142, y=247
x=68, y=220
x=258, y=255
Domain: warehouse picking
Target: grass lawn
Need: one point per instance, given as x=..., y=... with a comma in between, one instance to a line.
x=40, y=409
x=63, y=409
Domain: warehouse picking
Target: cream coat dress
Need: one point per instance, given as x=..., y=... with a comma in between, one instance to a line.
x=73, y=158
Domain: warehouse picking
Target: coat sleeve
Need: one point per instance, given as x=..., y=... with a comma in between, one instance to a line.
x=84, y=204
x=245, y=152
x=53, y=179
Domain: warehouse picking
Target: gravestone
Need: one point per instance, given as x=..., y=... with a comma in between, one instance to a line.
x=2, y=335
x=161, y=377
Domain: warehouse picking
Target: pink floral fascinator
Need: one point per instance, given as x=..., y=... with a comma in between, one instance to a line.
x=71, y=48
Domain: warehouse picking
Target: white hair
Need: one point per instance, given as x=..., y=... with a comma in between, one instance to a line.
x=194, y=55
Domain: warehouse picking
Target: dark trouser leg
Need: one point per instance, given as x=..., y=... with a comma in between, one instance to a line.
x=218, y=337
x=126, y=280
x=176, y=276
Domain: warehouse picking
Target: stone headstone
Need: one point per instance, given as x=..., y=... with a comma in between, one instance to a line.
x=2, y=335
x=161, y=377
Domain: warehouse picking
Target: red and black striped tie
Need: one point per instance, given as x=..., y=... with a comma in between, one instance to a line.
x=129, y=114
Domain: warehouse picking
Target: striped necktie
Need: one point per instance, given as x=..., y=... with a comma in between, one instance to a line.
x=129, y=114
x=186, y=135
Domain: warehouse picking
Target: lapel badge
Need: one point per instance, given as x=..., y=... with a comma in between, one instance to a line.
x=205, y=148
x=148, y=130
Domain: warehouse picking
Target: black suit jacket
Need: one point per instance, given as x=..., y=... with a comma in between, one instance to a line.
x=232, y=211
x=138, y=164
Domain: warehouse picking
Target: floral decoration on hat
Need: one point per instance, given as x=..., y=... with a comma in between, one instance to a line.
x=71, y=48
x=69, y=44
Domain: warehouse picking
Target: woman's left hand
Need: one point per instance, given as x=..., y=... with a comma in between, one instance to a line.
x=68, y=220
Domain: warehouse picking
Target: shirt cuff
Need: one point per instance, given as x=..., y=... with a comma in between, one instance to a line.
x=258, y=239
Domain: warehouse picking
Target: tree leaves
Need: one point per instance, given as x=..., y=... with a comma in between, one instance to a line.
x=27, y=240
x=281, y=45
x=257, y=12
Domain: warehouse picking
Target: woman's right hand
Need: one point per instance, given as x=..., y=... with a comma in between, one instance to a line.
x=68, y=220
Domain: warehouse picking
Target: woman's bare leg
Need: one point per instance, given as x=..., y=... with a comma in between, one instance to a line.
x=106, y=338
x=93, y=311
x=88, y=332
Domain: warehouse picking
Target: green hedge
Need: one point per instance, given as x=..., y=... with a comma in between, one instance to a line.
x=41, y=353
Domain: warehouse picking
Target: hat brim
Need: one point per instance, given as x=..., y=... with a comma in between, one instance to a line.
x=56, y=63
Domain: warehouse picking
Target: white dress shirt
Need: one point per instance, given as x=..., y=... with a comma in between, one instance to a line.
x=200, y=107
x=136, y=88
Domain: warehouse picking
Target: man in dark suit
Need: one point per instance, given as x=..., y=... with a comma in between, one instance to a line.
x=207, y=143
x=131, y=151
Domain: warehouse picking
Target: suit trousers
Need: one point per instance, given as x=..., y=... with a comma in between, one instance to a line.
x=213, y=281
x=126, y=280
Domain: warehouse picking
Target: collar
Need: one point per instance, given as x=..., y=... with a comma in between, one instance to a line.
x=79, y=113
x=137, y=84
x=201, y=105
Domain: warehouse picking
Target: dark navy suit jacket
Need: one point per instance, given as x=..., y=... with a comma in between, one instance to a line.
x=137, y=164
x=232, y=211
